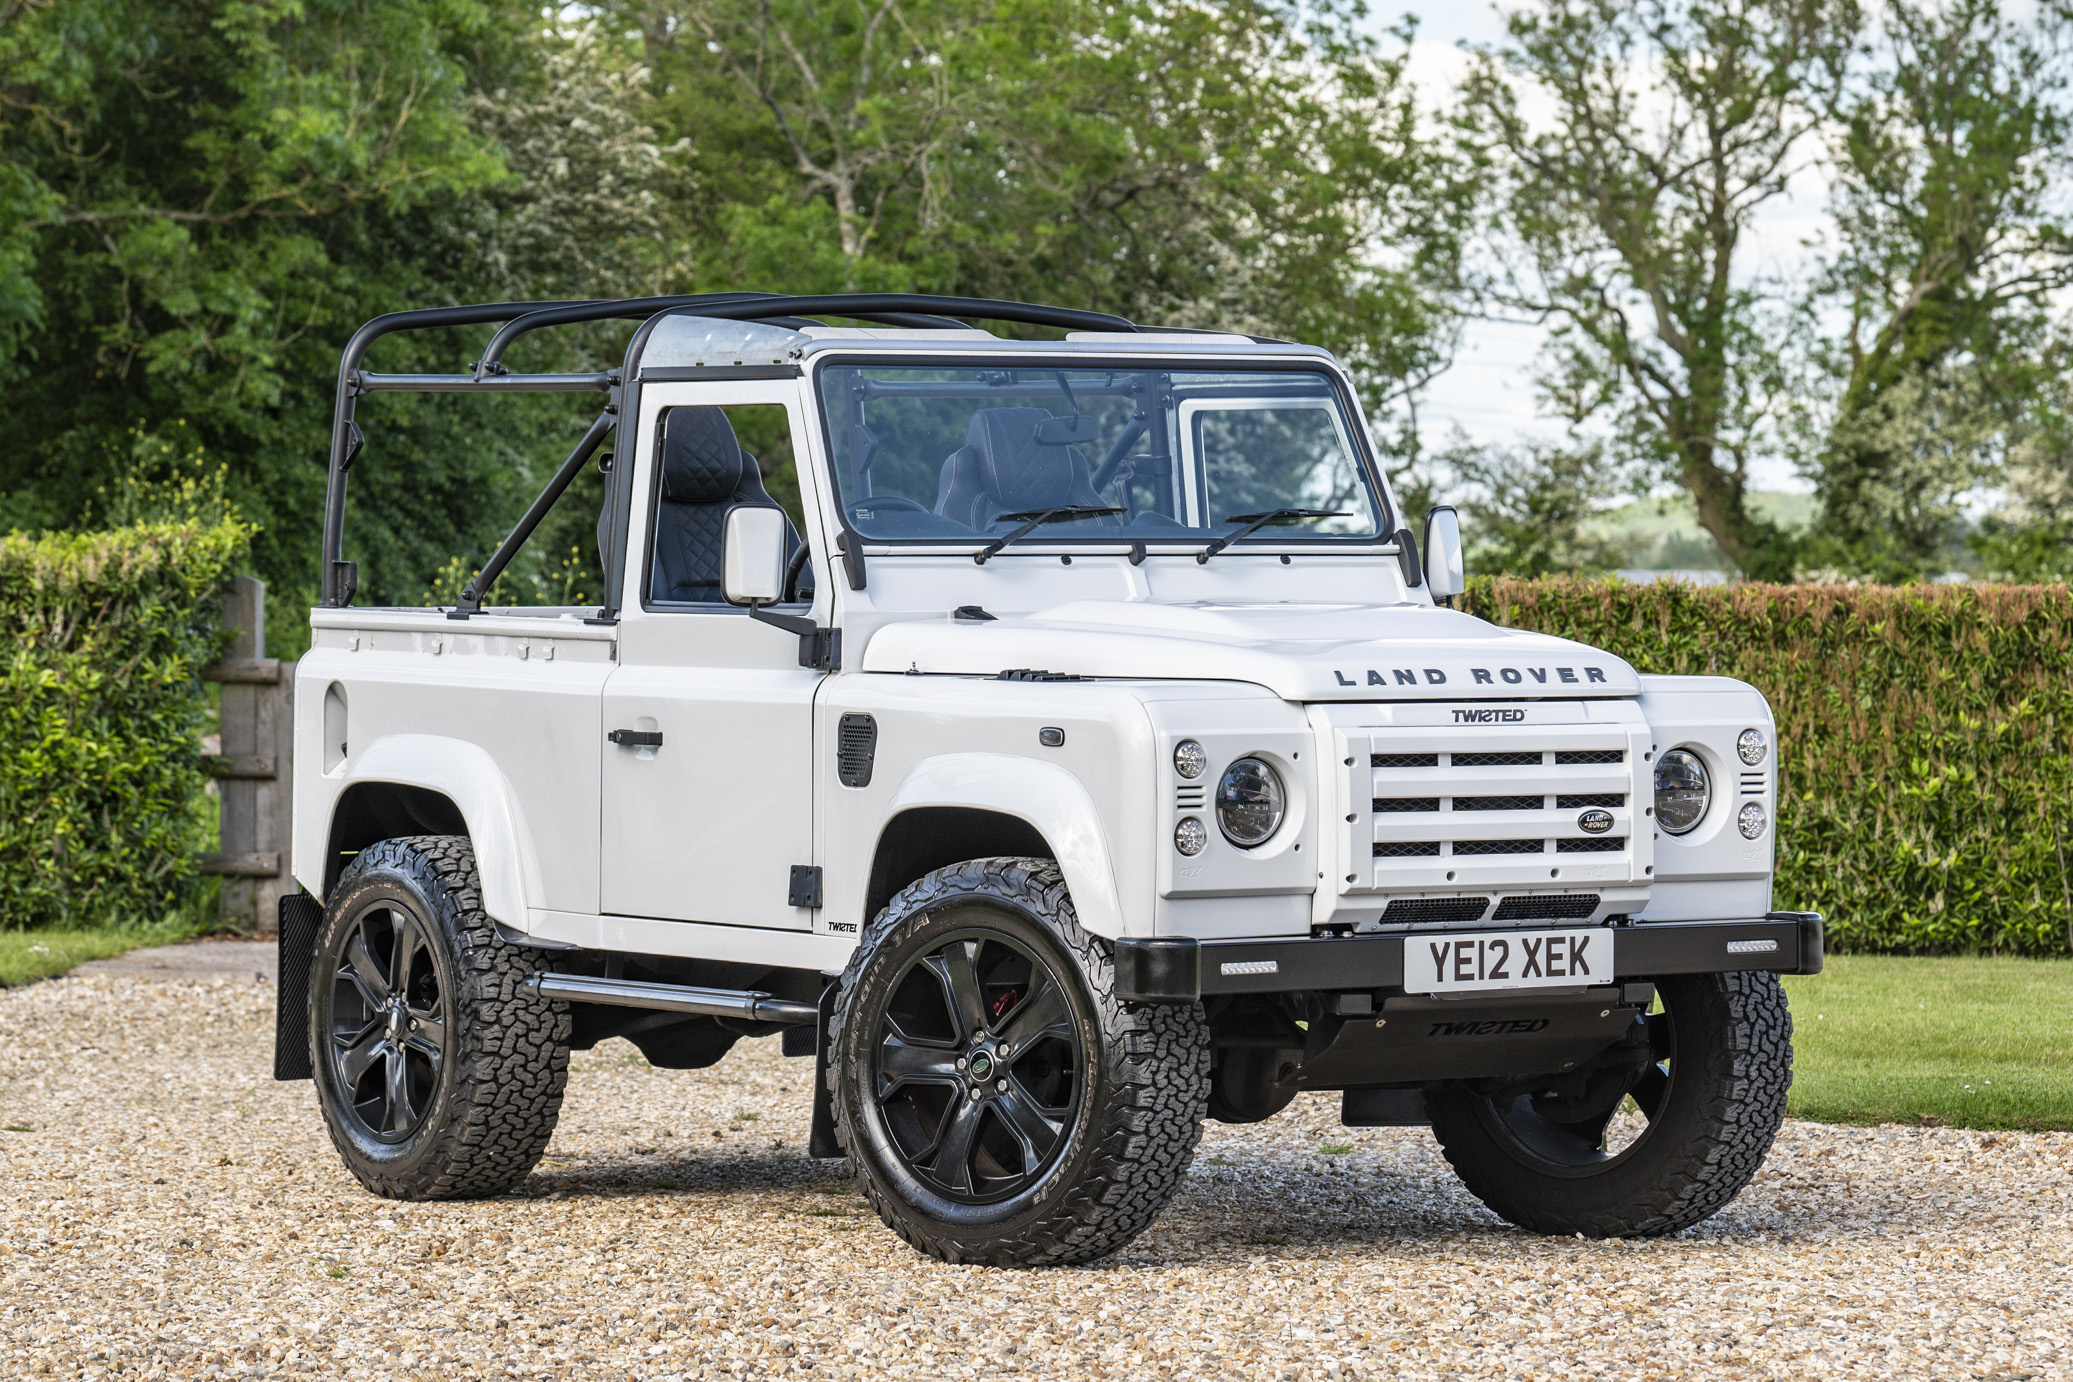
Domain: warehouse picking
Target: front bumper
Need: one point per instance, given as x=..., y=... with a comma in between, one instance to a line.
x=1178, y=970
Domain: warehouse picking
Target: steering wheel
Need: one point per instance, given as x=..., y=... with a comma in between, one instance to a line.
x=788, y=588
x=887, y=501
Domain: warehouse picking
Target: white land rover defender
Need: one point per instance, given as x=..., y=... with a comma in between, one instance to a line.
x=1091, y=754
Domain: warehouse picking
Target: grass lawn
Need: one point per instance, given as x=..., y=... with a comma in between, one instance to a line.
x=1976, y=1043
x=26, y=956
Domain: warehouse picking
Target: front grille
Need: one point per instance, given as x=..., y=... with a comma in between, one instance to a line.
x=1550, y=907
x=1429, y=787
x=1411, y=911
x=1532, y=803
x=1575, y=800
x=1499, y=847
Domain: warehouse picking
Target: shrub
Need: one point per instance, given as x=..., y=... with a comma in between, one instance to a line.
x=101, y=808
x=1924, y=740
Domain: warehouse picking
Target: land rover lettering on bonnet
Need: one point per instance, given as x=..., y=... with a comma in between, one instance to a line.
x=1056, y=742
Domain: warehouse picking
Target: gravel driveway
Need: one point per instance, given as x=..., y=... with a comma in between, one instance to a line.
x=171, y=1212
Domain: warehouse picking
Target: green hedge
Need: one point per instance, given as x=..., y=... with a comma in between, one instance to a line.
x=1925, y=734
x=101, y=789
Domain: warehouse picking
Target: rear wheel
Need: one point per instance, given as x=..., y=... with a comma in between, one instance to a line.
x=440, y=1074
x=998, y=1102
x=1641, y=1147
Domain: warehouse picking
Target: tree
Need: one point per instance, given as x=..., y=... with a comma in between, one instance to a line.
x=1243, y=165
x=200, y=200
x=1527, y=511
x=1626, y=211
x=1951, y=157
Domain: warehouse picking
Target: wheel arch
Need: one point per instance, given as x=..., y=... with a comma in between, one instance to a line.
x=973, y=805
x=425, y=785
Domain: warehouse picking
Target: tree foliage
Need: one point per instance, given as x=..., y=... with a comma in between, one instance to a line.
x=1627, y=214
x=1950, y=139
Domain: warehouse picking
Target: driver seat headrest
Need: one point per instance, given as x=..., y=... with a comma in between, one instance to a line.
x=701, y=457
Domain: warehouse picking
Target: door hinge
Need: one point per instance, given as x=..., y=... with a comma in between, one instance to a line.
x=806, y=886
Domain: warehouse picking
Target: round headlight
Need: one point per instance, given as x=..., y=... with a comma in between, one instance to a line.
x=1752, y=746
x=1249, y=803
x=1682, y=791
x=1189, y=760
x=1752, y=820
x=1190, y=836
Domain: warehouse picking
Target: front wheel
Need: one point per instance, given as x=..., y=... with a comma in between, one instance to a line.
x=1638, y=1147
x=999, y=1104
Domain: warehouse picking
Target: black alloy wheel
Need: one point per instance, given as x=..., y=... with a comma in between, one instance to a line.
x=997, y=1102
x=976, y=1077
x=1655, y=1138
x=439, y=1069
x=389, y=1022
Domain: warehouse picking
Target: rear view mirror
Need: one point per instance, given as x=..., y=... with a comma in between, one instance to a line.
x=1066, y=431
x=753, y=570
x=1445, y=575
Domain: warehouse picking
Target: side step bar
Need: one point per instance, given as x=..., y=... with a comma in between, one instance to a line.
x=749, y=1004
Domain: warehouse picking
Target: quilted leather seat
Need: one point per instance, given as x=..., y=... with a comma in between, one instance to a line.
x=705, y=476
x=1003, y=468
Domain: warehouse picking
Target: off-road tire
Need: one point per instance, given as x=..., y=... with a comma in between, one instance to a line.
x=1726, y=1099
x=1145, y=1085
x=499, y=1093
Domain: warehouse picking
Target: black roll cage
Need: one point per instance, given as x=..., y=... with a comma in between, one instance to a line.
x=516, y=319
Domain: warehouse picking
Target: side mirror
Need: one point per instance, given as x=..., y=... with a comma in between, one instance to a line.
x=1445, y=575
x=753, y=569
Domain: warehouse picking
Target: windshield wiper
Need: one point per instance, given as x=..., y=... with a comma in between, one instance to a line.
x=1255, y=521
x=1032, y=519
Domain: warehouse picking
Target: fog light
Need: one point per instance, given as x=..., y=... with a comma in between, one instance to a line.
x=1190, y=836
x=1752, y=746
x=1752, y=820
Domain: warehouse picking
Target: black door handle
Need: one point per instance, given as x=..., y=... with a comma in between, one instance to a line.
x=637, y=738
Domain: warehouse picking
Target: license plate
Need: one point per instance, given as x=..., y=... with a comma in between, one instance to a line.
x=1507, y=960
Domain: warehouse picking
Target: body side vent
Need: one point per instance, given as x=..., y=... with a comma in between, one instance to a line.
x=856, y=744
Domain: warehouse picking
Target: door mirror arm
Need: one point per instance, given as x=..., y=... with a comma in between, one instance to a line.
x=819, y=648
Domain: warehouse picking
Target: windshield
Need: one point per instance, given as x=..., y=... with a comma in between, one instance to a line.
x=1185, y=455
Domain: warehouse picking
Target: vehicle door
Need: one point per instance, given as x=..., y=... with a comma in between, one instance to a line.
x=706, y=822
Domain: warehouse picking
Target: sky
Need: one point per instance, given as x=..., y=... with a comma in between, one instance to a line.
x=1488, y=393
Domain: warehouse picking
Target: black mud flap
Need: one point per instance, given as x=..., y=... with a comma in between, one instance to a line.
x=300, y=918
x=820, y=1134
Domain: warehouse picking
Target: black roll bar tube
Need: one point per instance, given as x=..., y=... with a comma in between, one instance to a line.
x=339, y=576
x=471, y=598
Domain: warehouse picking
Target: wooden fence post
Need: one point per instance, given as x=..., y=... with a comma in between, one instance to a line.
x=255, y=771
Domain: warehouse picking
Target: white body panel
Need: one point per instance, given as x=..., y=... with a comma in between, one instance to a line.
x=1316, y=658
